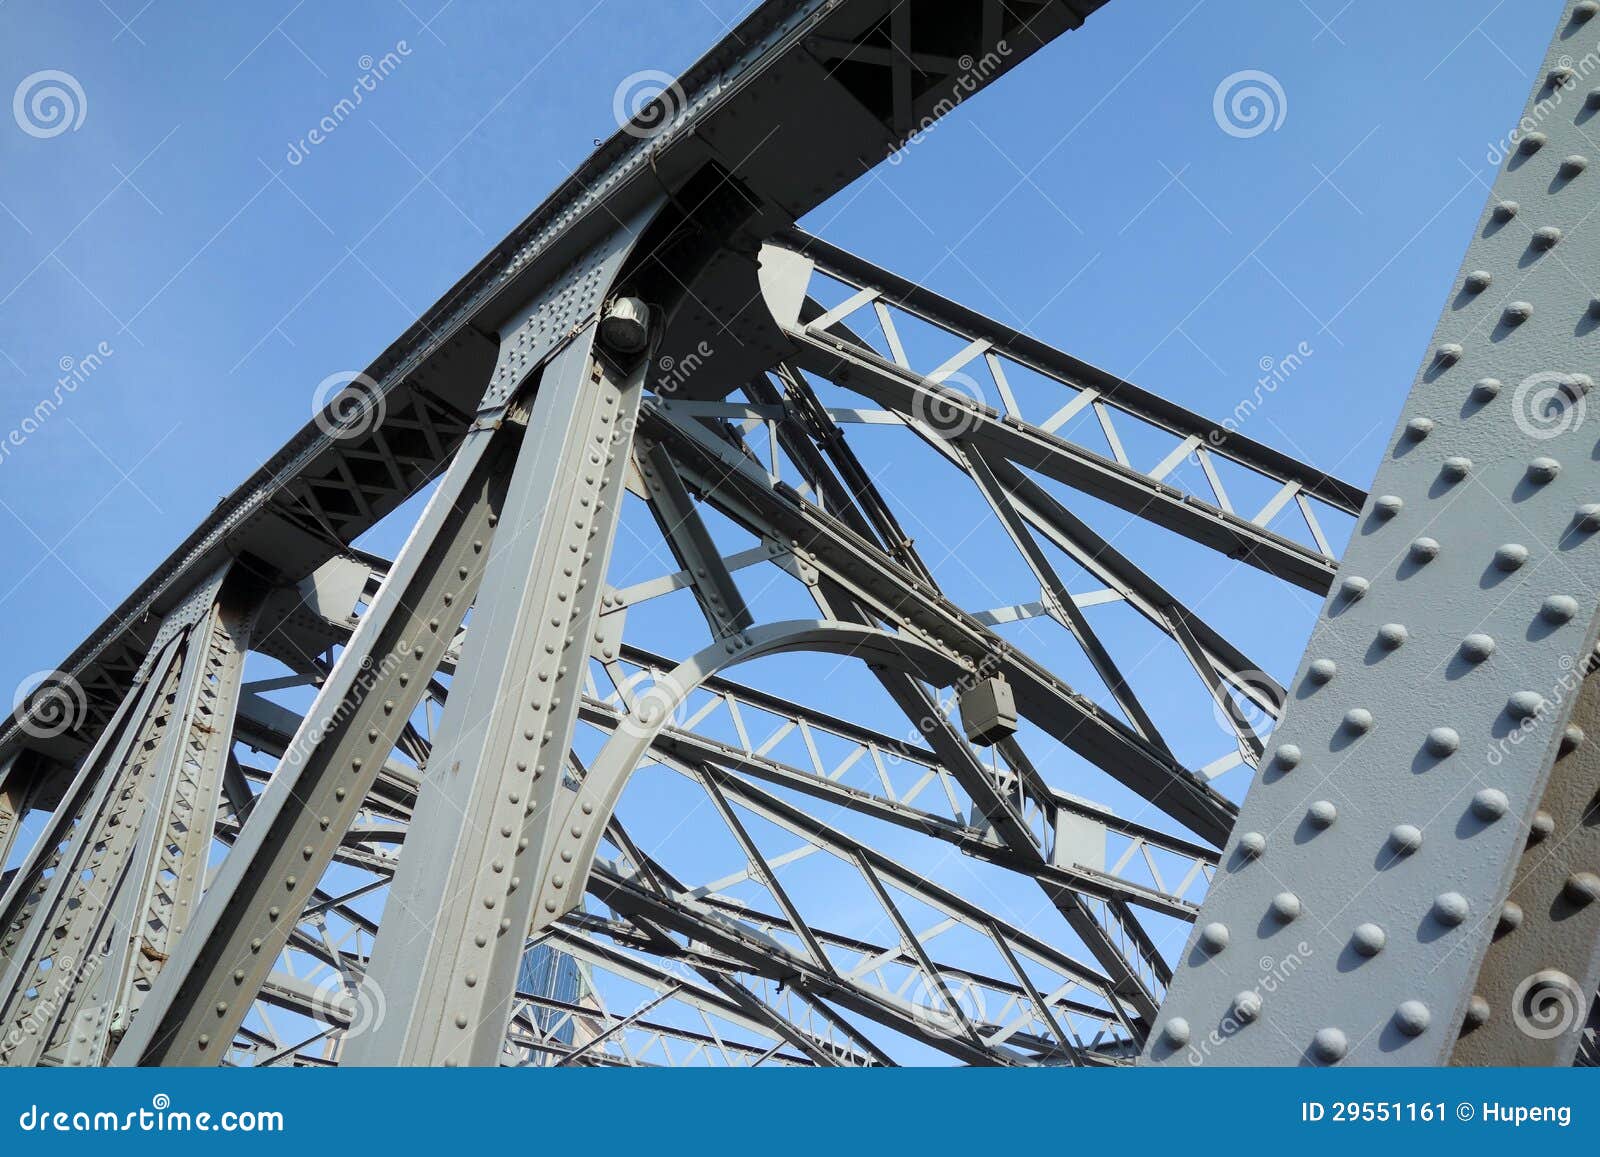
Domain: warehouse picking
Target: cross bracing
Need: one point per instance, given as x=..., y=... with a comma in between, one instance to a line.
x=318, y=804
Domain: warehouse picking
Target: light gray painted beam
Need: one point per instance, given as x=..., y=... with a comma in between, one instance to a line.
x=1379, y=840
x=463, y=898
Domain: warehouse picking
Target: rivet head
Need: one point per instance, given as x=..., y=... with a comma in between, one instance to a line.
x=1393, y=635
x=1478, y=280
x=1405, y=838
x=1246, y=1006
x=1511, y=916
x=1558, y=608
x=1540, y=827
x=1451, y=908
x=1485, y=389
x=1585, y=10
x=1252, y=845
x=1571, y=737
x=1286, y=907
x=1322, y=814
x=1475, y=648
x=1412, y=1018
x=1517, y=312
x=1214, y=937
x=1456, y=467
x=1546, y=237
x=1490, y=804
x=1477, y=1012
x=1572, y=165
x=1354, y=587
x=1525, y=704
x=1386, y=506
x=1449, y=353
x=1443, y=741
x=1329, y=1045
x=1510, y=556
x=1368, y=939
x=1419, y=428
x=1358, y=721
x=1542, y=470
x=1582, y=888
x=1425, y=549
x=1176, y=1032
x=1588, y=516
x=1532, y=143
x=1322, y=670
x=1287, y=756
x=1505, y=210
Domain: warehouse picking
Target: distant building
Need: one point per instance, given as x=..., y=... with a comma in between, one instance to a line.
x=553, y=975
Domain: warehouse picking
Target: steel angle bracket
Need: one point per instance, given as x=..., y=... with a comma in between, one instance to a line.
x=1364, y=879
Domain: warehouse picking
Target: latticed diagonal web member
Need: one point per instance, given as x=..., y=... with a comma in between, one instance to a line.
x=716, y=945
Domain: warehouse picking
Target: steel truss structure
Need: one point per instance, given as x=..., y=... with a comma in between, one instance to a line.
x=344, y=853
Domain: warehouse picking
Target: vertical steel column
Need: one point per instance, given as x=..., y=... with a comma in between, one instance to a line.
x=296, y=824
x=136, y=934
x=56, y=954
x=90, y=784
x=1368, y=868
x=462, y=900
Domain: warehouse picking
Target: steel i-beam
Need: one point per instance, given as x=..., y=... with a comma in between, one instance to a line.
x=463, y=897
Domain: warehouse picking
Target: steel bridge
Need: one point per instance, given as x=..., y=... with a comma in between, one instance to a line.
x=221, y=878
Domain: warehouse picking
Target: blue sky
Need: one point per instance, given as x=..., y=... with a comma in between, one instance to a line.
x=220, y=268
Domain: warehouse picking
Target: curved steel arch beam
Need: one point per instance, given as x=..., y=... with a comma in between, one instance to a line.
x=573, y=832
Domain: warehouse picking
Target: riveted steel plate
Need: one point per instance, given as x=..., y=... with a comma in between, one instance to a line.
x=1362, y=883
